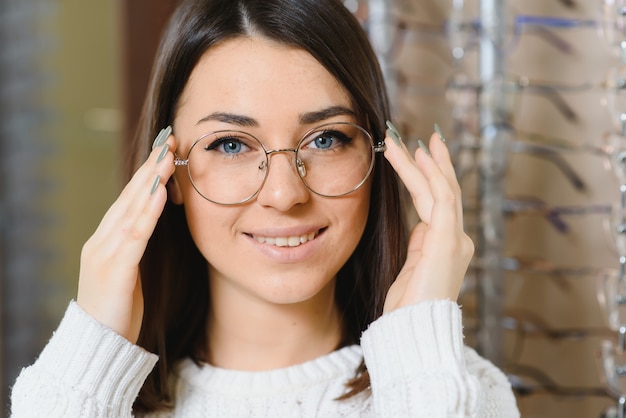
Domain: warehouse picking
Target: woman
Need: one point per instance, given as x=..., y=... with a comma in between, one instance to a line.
x=262, y=240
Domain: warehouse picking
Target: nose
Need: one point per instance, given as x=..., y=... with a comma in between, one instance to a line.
x=283, y=188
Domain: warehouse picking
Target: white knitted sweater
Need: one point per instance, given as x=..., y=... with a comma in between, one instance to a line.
x=415, y=356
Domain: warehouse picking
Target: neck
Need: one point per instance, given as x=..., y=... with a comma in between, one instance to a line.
x=248, y=333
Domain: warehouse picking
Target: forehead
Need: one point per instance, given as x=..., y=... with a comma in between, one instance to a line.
x=258, y=78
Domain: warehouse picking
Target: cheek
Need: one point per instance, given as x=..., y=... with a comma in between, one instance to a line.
x=364, y=195
x=209, y=224
x=354, y=215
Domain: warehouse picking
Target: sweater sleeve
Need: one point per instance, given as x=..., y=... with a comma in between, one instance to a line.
x=419, y=367
x=86, y=370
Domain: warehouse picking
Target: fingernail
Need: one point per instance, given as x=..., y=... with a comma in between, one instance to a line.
x=438, y=130
x=393, y=133
x=155, y=185
x=163, y=153
x=162, y=137
x=424, y=147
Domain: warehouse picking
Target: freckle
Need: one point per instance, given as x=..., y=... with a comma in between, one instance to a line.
x=293, y=324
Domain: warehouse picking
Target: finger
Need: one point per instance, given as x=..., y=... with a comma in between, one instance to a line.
x=158, y=148
x=441, y=155
x=110, y=258
x=142, y=200
x=445, y=216
x=408, y=171
x=158, y=164
x=109, y=283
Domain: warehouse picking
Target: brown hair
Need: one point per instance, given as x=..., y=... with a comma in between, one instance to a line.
x=174, y=273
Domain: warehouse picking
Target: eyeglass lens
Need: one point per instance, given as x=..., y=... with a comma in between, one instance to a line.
x=230, y=167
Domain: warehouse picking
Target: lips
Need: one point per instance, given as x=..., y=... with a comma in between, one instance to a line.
x=290, y=241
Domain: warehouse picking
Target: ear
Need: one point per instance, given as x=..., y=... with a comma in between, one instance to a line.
x=174, y=193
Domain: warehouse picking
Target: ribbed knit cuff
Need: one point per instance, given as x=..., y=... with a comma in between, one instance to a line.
x=420, y=339
x=89, y=356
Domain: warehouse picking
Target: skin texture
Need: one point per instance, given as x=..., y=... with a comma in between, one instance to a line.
x=271, y=307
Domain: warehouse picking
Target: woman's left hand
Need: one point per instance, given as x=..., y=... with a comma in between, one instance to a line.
x=439, y=250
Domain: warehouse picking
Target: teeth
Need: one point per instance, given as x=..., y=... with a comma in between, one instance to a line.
x=293, y=241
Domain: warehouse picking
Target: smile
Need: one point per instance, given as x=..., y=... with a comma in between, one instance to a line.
x=292, y=241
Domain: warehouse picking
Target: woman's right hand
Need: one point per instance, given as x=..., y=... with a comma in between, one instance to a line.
x=109, y=287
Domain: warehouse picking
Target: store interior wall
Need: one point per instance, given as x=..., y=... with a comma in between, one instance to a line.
x=79, y=131
x=557, y=240
x=60, y=62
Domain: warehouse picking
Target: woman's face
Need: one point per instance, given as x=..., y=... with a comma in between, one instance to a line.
x=276, y=93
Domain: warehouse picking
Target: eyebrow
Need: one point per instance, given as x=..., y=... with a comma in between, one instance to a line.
x=322, y=115
x=231, y=118
x=305, y=118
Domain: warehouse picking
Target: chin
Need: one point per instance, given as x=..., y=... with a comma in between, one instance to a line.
x=288, y=294
x=292, y=289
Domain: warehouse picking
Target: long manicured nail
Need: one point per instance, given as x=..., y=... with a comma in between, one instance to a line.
x=438, y=130
x=162, y=137
x=163, y=153
x=424, y=147
x=393, y=133
x=155, y=185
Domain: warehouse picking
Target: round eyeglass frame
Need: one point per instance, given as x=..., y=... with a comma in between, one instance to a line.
x=378, y=147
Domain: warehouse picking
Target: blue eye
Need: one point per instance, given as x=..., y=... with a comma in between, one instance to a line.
x=231, y=147
x=324, y=141
x=329, y=140
x=227, y=145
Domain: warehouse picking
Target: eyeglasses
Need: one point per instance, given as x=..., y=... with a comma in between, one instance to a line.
x=229, y=167
x=611, y=363
x=612, y=371
x=613, y=17
x=464, y=33
x=515, y=207
x=611, y=294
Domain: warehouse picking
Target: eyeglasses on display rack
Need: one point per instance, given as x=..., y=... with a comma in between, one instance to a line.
x=535, y=265
x=537, y=383
x=461, y=90
x=612, y=366
x=527, y=380
x=611, y=148
x=409, y=7
x=462, y=32
x=514, y=207
x=613, y=17
x=229, y=167
x=523, y=328
x=527, y=324
x=611, y=294
x=464, y=35
x=536, y=145
x=466, y=96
